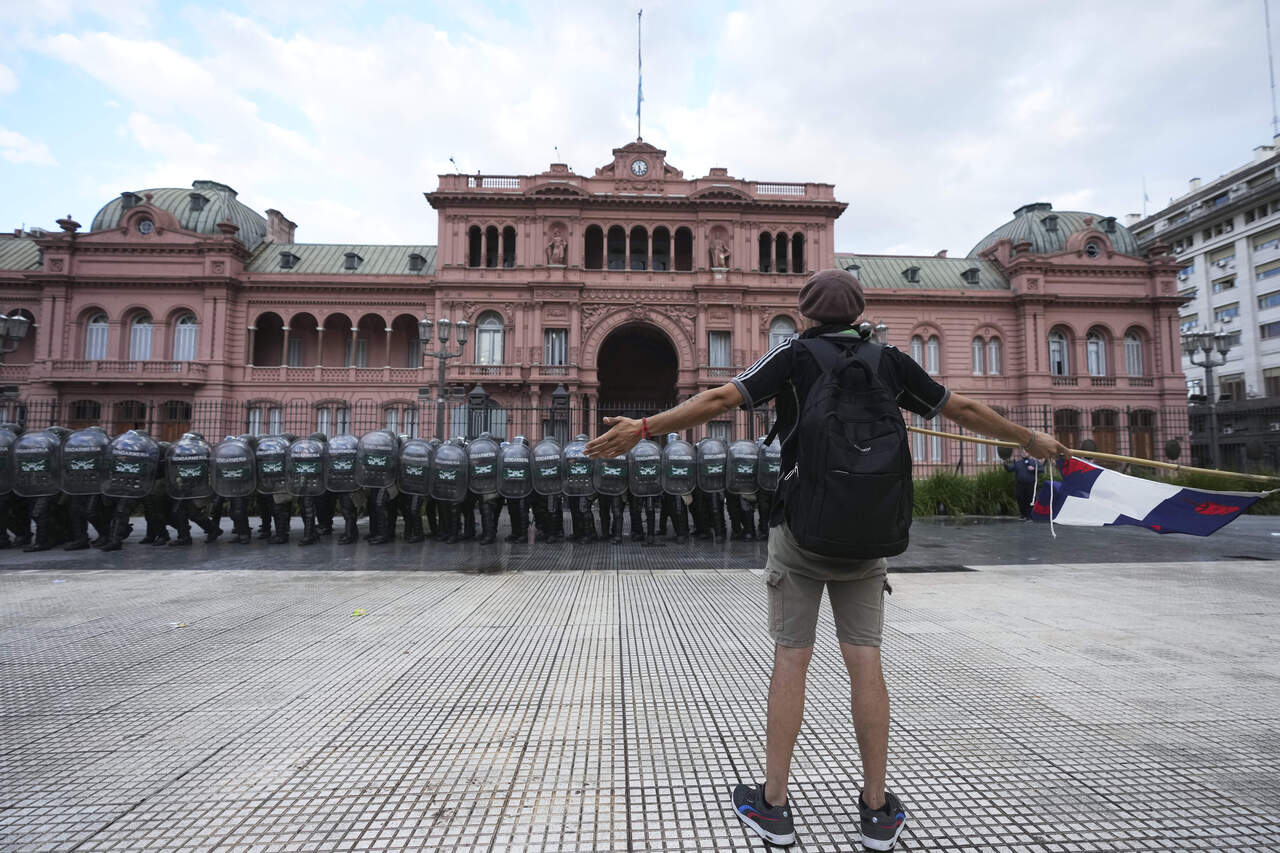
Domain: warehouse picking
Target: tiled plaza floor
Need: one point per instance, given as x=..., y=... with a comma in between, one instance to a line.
x=608, y=698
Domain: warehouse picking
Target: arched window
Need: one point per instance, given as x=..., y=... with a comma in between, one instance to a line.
x=979, y=353
x=781, y=330
x=661, y=249
x=593, y=248
x=1132, y=354
x=780, y=250
x=616, y=247
x=1059, y=359
x=491, y=246
x=1095, y=346
x=797, y=252
x=994, y=357
x=766, y=252
x=140, y=338
x=1066, y=426
x=95, y=338
x=932, y=355
x=489, y=338
x=185, y=333
x=917, y=349
x=639, y=248
x=684, y=249
x=508, y=247
x=475, y=246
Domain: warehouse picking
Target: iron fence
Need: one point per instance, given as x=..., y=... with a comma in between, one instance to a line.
x=1132, y=431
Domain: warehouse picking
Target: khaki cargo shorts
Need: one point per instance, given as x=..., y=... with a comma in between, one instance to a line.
x=796, y=578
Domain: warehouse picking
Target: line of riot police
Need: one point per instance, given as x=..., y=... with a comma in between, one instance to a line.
x=62, y=482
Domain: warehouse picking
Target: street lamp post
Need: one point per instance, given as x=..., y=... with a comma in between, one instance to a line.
x=1208, y=343
x=443, y=354
x=12, y=332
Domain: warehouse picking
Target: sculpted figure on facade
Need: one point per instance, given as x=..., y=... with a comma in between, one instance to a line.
x=719, y=253
x=557, y=250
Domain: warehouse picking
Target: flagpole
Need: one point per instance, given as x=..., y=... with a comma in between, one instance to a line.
x=1109, y=457
x=639, y=75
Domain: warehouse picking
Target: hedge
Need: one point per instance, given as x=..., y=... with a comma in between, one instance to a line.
x=991, y=492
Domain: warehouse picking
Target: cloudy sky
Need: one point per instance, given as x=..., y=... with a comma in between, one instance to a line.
x=934, y=119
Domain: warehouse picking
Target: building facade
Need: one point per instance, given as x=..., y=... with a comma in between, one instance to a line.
x=1225, y=235
x=621, y=291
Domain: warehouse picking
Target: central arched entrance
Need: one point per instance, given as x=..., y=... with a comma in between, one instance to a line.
x=637, y=367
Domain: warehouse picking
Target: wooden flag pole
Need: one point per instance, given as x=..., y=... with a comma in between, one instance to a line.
x=1110, y=457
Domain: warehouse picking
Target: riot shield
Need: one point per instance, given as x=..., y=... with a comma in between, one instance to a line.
x=132, y=465
x=448, y=480
x=37, y=464
x=515, y=471
x=304, y=464
x=548, y=467
x=743, y=457
x=414, y=475
x=84, y=461
x=376, y=459
x=769, y=466
x=643, y=466
x=234, y=474
x=578, y=469
x=340, y=473
x=482, y=459
x=270, y=458
x=7, y=438
x=610, y=475
x=713, y=457
x=678, y=459
x=188, y=468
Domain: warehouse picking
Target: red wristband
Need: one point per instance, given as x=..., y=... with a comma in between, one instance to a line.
x=644, y=427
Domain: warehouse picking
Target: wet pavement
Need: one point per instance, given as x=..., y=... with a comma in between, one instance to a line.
x=1106, y=690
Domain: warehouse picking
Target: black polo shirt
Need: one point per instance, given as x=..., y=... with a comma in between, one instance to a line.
x=784, y=374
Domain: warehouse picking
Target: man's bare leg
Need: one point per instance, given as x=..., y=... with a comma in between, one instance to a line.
x=870, y=705
x=786, y=713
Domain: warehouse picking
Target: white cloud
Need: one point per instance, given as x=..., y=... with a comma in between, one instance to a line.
x=16, y=148
x=934, y=126
x=8, y=80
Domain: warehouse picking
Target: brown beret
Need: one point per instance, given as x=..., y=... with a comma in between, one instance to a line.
x=832, y=296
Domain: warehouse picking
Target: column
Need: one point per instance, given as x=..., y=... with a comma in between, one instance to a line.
x=355, y=340
x=248, y=356
x=592, y=410
x=44, y=349
x=284, y=348
x=320, y=345
x=388, y=347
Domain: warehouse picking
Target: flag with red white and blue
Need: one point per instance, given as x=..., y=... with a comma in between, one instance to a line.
x=1091, y=496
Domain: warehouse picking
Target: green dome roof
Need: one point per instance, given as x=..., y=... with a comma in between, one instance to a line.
x=1047, y=230
x=219, y=205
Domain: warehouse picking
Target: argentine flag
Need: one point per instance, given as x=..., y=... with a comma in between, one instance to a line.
x=1092, y=496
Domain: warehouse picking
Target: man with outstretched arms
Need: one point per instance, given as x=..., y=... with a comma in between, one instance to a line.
x=800, y=376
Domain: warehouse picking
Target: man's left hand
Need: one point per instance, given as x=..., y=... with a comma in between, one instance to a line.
x=622, y=436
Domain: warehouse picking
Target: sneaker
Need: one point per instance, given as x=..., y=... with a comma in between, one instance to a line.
x=881, y=827
x=772, y=823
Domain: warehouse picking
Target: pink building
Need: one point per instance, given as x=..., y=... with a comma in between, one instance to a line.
x=624, y=290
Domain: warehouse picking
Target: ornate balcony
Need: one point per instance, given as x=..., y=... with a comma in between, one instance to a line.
x=1141, y=381
x=481, y=373
x=84, y=370
x=1064, y=381
x=14, y=372
x=337, y=375
x=553, y=371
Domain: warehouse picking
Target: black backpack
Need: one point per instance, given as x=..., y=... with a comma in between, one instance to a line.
x=850, y=492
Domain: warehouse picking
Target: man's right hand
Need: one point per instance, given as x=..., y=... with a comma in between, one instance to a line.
x=1045, y=446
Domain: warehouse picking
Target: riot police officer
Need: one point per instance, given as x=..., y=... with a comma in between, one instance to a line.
x=708, y=500
x=741, y=487
x=37, y=462
x=515, y=473
x=548, y=490
x=133, y=465
x=579, y=487
x=377, y=458
x=447, y=483
x=304, y=465
x=610, y=482
x=482, y=481
x=235, y=480
x=84, y=469
x=340, y=481
x=189, y=485
x=644, y=482
x=767, y=473
x=679, y=461
x=272, y=483
x=413, y=478
x=8, y=435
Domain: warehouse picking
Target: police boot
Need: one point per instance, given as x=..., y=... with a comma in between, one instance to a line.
x=79, y=529
x=204, y=522
x=350, y=530
x=515, y=511
x=264, y=511
x=469, y=521
x=449, y=523
x=717, y=516
x=280, y=516
x=637, y=522
x=650, y=517
x=734, y=505
x=557, y=518
x=41, y=541
x=523, y=518
x=308, y=513
x=431, y=509
x=488, y=522
x=116, y=533
x=380, y=519
x=680, y=521
x=414, y=532
x=215, y=517
x=617, y=521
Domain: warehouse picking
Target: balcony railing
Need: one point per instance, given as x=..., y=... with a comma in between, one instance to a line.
x=14, y=372
x=1102, y=381
x=1064, y=380
x=1141, y=381
x=485, y=372
x=316, y=373
x=551, y=371
x=161, y=371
